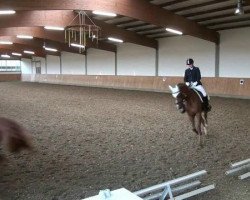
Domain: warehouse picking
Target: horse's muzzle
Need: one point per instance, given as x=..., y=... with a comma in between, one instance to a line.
x=182, y=110
x=180, y=106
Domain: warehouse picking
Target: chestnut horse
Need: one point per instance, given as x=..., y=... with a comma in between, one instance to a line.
x=13, y=136
x=187, y=100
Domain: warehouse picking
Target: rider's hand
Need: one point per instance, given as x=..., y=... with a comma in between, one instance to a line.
x=195, y=83
x=187, y=83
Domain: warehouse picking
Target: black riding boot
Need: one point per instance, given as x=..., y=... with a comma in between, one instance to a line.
x=207, y=107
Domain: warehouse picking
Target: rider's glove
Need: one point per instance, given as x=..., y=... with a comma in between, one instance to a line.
x=195, y=83
x=187, y=83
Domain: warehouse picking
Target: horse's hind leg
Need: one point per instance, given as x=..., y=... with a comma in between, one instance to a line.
x=204, y=123
x=191, y=117
x=199, y=121
x=205, y=118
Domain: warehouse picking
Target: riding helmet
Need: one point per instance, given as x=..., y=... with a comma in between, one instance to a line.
x=190, y=61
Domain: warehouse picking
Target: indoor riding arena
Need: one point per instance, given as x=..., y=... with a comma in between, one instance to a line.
x=86, y=111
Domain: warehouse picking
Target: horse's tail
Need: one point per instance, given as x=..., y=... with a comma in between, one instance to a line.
x=14, y=136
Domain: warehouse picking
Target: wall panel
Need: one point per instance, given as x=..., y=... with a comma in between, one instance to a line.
x=214, y=86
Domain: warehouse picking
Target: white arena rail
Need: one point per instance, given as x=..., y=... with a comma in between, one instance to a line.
x=242, y=167
x=177, y=189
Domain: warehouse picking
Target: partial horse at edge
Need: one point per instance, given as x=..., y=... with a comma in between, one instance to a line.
x=13, y=136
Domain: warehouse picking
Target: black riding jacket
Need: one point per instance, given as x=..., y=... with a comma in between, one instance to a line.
x=193, y=75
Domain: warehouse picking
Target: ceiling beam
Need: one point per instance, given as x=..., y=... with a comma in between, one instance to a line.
x=209, y=11
x=9, y=52
x=139, y=9
x=149, y=32
x=202, y=19
x=227, y=21
x=109, y=30
x=170, y=3
x=39, y=32
x=198, y=5
x=136, y=25
x=64, y=18
x=148, y=29
x=19, y=48
x=231, y=27
x=39, y=43
x=124, y=22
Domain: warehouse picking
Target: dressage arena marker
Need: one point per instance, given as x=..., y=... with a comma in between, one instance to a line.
x=169, y=188
x=238, y=167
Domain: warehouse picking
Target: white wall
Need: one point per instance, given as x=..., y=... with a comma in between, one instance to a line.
x=73, y=63
x=135, y=60
x=53, y=64
x=26, y=66
x=138, y=60
x=235, y=53
x=100, y=62
x=174, y=51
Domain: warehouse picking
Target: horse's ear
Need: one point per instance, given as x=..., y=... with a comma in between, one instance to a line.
x=171, y=88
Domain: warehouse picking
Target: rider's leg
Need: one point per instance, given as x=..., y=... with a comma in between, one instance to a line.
x=205, y=97
x=201, y=89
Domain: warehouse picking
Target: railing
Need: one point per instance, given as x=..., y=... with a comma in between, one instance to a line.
x=242, y=167
x=10, y=69
x=187, y=187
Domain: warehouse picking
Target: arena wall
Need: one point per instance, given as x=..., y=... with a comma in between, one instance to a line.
x=215, y=86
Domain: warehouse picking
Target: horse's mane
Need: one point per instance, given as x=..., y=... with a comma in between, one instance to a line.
x=183, y=88
x=186, y=91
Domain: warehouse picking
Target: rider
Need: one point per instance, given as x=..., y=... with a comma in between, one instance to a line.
x=193, y=78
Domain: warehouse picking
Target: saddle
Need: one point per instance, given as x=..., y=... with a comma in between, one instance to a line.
x=204, y=100
x=200, y=95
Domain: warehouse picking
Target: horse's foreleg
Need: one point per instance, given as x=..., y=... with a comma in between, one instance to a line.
x=199, y=121
x=191, y=117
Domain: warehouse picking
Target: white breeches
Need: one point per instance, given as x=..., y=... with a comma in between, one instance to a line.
x=200, y=89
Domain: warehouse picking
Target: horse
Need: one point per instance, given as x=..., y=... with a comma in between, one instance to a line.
x=188, y=100
x=13, y=136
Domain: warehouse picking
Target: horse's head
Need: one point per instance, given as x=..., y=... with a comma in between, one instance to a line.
x=179, y=92
x=22, y=142
x=14, y=136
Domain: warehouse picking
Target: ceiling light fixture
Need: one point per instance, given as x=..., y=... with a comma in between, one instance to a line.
x=16, y=54
x=77, y=45
x=6, y=42
x=174, y=31
x=103, y=13
x=239, y=9
x=115, y=39
x=7, y=12
x=24, y=36
x=84, y=30
x=50, y=49
x=29, y=52
x=55, y=28
x=5, y=56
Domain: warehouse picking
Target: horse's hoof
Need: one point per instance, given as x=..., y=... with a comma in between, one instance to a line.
x=201, y=145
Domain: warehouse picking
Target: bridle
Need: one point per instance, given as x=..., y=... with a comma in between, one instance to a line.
x=180, y=102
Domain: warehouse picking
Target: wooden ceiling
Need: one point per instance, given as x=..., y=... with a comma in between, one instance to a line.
x=140, y=22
